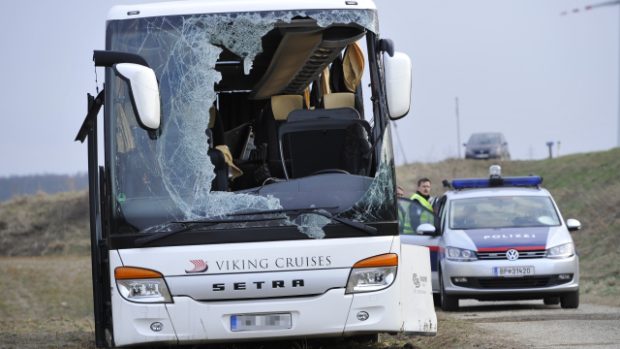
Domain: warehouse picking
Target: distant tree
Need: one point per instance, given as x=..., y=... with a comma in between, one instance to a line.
x=47, y=183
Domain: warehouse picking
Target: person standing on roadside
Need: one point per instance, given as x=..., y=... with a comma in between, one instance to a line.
x=423, y=193
x=417, y=209
x=422, y=209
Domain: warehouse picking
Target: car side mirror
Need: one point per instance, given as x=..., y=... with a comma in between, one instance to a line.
x=573, y=224
x=426, y=229
x=397, y=84
x=144, y=92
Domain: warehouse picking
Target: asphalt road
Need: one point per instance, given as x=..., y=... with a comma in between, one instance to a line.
x=535, y=325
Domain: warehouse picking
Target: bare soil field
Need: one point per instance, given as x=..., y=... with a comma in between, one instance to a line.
x=47, y=303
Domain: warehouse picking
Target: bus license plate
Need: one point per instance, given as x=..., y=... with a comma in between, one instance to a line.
x=513, y=271
x=261, y=322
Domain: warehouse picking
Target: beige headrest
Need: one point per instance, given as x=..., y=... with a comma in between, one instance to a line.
x=339, y=100
x=284, y=104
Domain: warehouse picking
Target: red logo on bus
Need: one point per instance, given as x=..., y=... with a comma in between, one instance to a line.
x=199, y=266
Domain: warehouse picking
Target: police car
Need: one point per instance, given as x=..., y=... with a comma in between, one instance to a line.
x=499, y=238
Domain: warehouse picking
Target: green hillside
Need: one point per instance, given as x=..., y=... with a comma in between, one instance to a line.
x=585, y=187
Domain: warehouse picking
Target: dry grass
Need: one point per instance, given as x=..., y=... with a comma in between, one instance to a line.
x=44, y=224
x=47, y=301
x=451, y=333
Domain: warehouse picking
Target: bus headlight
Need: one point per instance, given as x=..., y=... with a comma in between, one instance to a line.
x=373, y=274
x=141, y=285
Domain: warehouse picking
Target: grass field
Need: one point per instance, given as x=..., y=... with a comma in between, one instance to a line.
x=47, y=303
x=45, y=268
x=45, y=225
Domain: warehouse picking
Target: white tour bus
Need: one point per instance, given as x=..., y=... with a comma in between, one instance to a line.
x=244, y=187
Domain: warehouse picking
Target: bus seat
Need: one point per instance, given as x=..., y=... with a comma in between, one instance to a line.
x=339, y=100
x=275, y=113
x=324, y=139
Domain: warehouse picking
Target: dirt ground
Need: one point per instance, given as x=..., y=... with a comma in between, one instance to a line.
x=47, y=303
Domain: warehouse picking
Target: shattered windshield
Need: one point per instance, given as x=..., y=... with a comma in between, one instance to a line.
x=222, y=146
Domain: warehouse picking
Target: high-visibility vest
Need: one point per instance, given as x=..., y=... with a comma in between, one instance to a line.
x=413, y=213
x=422, y=200
x=426, y=216
x=404, y=221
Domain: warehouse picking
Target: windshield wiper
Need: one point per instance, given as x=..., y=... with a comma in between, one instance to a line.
x=188, y=225
x=322, y=211
x=357, y=225
x=183, y=226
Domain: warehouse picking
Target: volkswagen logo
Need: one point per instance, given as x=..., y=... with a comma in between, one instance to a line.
x=512, y=255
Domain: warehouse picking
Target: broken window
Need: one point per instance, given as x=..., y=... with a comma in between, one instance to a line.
x=221, y=148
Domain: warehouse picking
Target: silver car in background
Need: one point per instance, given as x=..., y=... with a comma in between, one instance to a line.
x=487, y=145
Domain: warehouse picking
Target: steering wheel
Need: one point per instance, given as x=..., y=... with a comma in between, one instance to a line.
x=330, y=170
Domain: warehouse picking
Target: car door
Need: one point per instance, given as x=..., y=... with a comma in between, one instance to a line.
x=410, y=214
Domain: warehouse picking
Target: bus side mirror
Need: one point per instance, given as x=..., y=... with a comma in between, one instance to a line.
x=398, y=84
x=144, y=92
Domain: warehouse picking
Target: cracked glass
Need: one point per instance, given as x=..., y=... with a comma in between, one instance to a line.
x=167, y=175
x=378, y=202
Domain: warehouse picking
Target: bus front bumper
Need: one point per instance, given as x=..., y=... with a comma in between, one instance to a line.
x=187, y=321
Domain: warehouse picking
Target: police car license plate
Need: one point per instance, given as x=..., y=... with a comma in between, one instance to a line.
x=260, y=322
x=513, y=271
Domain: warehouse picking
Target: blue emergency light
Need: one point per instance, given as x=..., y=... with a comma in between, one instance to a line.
x=496, y=181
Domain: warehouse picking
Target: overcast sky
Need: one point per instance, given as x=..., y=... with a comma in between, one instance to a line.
x=517, y=67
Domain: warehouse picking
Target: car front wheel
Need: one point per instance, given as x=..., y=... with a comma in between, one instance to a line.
x=448, y=303
x=570, y=300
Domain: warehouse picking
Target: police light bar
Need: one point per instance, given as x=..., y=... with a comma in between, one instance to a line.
x=469, y=183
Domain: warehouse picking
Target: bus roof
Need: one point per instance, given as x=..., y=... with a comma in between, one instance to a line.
x=185, y=7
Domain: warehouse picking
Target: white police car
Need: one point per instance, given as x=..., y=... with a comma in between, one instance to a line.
x=499, y=239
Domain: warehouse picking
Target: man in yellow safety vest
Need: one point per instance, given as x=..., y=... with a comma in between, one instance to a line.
x=420, y=210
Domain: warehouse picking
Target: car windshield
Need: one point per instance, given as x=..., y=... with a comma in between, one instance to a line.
x=484, y=139
x=502, y=212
